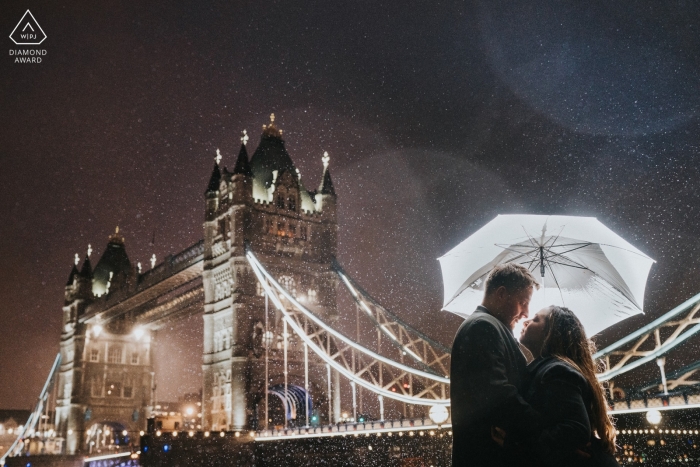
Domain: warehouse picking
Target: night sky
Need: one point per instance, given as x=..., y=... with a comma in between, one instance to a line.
x=437, y=116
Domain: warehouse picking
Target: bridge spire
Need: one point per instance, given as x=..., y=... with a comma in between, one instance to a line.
x=74, y=272
x=242, y=165
x=215, y=177
x=86, y=270
x=326, y=186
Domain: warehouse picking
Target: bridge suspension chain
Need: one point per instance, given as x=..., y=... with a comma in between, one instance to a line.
x=427, y=353
x=652, y=341
x=379, y=374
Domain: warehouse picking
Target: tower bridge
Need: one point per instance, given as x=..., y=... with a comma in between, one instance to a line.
x=266, y=282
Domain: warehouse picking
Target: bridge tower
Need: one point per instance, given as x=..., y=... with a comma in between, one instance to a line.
x=106, y=376
x=263, y=204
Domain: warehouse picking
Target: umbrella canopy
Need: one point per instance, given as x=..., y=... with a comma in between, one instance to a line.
x=582, y=265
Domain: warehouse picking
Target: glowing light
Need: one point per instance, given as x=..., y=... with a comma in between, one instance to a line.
x=141, y=433
x=244, y=138
x=191, y=434
x=96, y=330
x=189, y=411
x=89, y=250
x=138, y=333
x=654, y=417
x=236, y=434
x=206, y=434
x=124, y=433
x=218, y=156
x=153, y=261
x=174, y=434
x=70, y=432
x=77, y=259
x=438, y=414
x=326, y=159
x=158, y=433
x=222, y=434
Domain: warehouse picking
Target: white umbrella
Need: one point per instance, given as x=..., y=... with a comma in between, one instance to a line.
x=582, y=264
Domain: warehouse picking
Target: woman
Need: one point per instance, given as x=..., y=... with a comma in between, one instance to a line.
x=562, y=387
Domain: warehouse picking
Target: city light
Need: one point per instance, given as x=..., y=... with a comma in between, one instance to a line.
x=438, y=414
x=654, y=417
x=138, y=333
x=96, y=330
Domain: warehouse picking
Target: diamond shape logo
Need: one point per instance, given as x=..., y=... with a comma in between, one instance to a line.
x=28, y=31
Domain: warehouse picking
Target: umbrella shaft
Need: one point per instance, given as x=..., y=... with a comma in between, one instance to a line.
x=542, y=261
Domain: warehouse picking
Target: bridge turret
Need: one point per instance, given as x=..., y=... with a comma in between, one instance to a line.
x=212, y=191
x=114, y=269
x=263, y=203
x=326, y=202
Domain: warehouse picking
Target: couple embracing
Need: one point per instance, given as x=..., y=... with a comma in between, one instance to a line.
x=505, y=412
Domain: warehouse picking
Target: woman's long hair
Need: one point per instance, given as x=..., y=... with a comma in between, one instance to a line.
x=566, y=339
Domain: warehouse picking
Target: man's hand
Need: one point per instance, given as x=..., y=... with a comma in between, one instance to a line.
x=498, y=435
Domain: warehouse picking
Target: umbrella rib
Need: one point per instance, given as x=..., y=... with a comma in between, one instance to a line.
x=583, y=245
x=522, y=253
x=571, y=244
x=556, y=282
x=569, y=259
x=577, y=266
x=555, y=239
x=532, y=239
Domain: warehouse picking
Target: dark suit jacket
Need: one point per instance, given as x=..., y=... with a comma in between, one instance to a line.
x=487, y=371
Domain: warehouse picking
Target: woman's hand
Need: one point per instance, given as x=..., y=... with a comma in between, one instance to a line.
x=498, y=435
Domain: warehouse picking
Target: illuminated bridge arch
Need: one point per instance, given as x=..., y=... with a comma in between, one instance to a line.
x=294, y=400
x=418, y=375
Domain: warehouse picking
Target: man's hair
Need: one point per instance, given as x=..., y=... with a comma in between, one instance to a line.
x=513, y=277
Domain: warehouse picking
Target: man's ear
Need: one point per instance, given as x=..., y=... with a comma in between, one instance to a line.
x=502, y=293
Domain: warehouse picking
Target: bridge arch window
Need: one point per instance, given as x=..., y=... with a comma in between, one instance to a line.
x=95, y=387
x=114, y=354
x=128, y=392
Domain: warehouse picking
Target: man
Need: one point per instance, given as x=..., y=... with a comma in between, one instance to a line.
x=488, y=369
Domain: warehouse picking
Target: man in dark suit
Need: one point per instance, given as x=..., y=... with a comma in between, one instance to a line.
x=487, y=372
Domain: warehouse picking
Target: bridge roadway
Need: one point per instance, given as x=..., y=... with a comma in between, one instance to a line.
x=171, y=290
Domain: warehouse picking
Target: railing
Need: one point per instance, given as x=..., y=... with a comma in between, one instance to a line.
x=652, y=341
